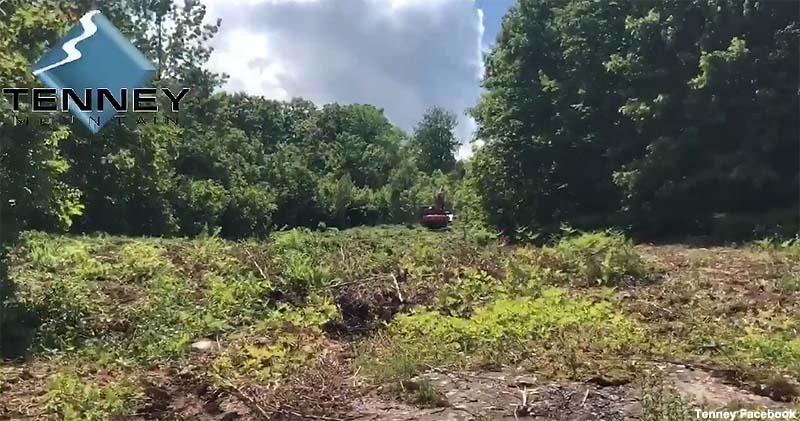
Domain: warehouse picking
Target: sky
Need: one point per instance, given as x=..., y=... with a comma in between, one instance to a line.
x=403, y=56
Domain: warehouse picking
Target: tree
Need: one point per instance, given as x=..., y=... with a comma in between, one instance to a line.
x=649, y=116
x=236, y=164
x=434, y=141
x=32, y=166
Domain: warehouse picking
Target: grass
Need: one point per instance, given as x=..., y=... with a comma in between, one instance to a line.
x=661, y=402
x=551, y=331
x=329, y=315
x=74, y=399
x=789, y=284
x=780, y=250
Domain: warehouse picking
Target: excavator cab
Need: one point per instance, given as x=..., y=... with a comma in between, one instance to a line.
x=436, y=217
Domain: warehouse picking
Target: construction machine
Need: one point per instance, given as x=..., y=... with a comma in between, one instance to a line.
x=436, y=217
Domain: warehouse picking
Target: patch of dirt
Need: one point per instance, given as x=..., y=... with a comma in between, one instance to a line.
x=505, y=395
x=363, y=305
x=500, y=395
x=171, y=394
x=711, y=391
x=22, y=390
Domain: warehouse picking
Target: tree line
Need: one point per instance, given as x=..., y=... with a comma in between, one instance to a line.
x=652, y=117
x=235, y=164
x=663, y=118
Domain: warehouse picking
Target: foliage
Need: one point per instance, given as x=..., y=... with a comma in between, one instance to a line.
x=468, y=291
x=661, y=402
x=591, y=130
x=434, y=141
x=242, y=164
x=32, y=162
x=148, y=300
x=603, y=257
x=595, y=258
x=308, y=300
x=74, y=399
x=504, y=331
x=645, y=116
x=295, y=343
x=788, y=249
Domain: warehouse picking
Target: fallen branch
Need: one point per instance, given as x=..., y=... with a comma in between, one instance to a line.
x=254, y=406
x=380, y=277
x=465, y=409
x=246, y=400
x=358, y=281
x=258, y=267
x=397, y=287
x=307, y=416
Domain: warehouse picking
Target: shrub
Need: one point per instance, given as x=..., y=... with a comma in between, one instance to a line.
x=604, y=258
x=781, y=250
x=291, y=342
x=505, y=331
x=469, y=290
x=76, y=400
x=140, y=261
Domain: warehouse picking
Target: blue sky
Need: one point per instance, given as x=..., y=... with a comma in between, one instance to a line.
x=493, y=12
x=403, y=56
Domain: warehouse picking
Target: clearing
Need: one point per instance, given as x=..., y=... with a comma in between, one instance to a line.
x=393, y=323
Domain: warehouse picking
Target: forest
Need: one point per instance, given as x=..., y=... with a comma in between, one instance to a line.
x=602, y=125
x=656, y=118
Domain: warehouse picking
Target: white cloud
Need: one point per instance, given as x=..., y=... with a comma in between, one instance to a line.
x=400, y=55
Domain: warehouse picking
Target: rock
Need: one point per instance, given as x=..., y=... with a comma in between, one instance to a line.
x=203, y=345
x=523, y=381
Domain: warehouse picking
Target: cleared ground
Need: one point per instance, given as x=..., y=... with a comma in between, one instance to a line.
x=394, y=323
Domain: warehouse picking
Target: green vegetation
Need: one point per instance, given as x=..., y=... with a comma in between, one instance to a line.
x=384, y=305
x=668, y=118
x=74, y=400
x=244, y=262
x=660, y=402
x=508, y=331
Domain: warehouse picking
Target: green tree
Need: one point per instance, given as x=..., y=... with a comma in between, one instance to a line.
x=434, y=141
x=652, y=116
x=32, y=166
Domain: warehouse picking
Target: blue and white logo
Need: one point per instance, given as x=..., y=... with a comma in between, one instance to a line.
x=94, y=55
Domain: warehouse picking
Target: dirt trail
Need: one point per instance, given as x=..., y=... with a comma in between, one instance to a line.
x=497, y=395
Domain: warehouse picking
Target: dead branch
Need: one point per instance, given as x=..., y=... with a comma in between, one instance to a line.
x=254, y=406
x=397, y=288
x=245, y=399
x=258, y=267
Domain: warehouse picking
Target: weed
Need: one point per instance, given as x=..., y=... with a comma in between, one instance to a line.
x=469, y=290
x=76, y=400
x=505, y=331
x=68, y=311
x=605, y=257
x=125, y=305
x=701, y=259
x=788, y=284
x=140, y=261
x=289, y=340
x=786, y=250
x=600, y=258
x=661, y=402
x=422, y=393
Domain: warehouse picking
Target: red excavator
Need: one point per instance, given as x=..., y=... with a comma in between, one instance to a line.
x=436, y=217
